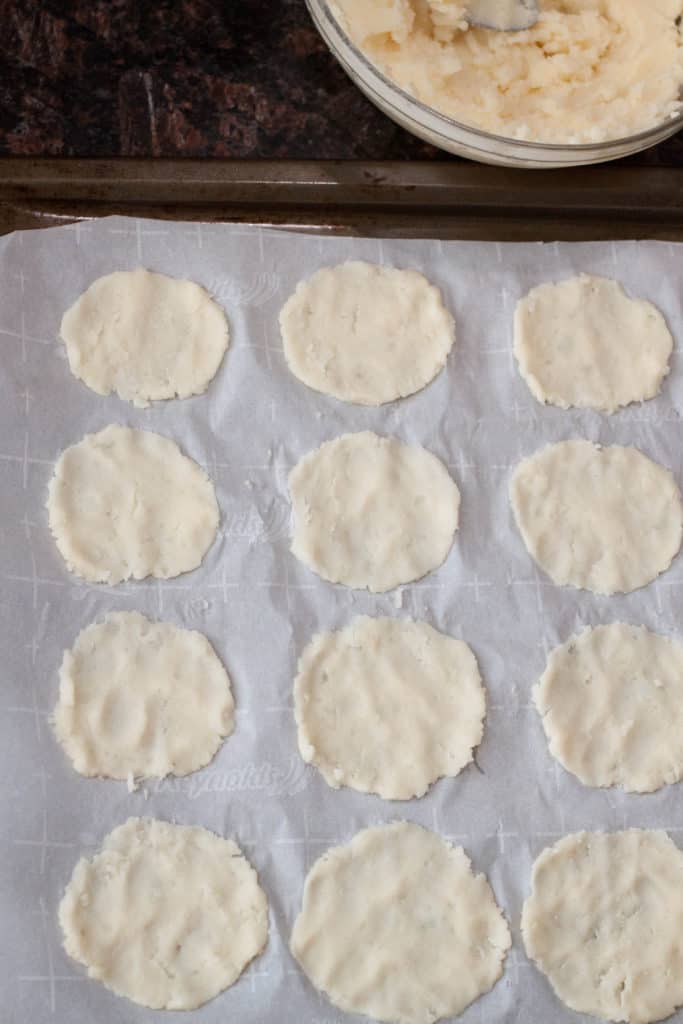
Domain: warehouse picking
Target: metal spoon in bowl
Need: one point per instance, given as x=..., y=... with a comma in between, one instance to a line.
x=504, y=15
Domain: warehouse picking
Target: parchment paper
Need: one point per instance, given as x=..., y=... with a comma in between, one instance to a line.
x=259, y=606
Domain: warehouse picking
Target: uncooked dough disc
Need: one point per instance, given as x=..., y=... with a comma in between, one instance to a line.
x=604, y=922
x=584, y=342
x=372, y=512
x=145, y=336
x=604, y=519
x=388, y=706
x=395, y=926
x=612, y=705
x=166, y=915
x=366, y=333
x=127, y=503
x=140, y=698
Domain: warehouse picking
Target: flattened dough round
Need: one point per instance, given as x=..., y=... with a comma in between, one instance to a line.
x=395, y=926
x=604, y=923
x=371, y=512
x=127, y=503
x=145, y=336
x=388, y=706
x=366, y=333
x=584, y=342
x=166, y=915
x=141, y=699
x=602, y=519
x=612, y=705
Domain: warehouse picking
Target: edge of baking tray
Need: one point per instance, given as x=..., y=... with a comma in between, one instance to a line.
x=439, y=199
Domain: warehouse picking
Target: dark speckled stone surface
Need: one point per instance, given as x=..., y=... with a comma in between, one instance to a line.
x=238, y=78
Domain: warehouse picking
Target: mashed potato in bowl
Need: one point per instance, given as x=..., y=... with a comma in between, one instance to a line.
x=587, y=72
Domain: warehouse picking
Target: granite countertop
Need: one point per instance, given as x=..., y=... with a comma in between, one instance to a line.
x=191, y=78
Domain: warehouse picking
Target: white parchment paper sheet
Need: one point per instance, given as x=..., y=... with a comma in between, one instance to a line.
x=259, y=606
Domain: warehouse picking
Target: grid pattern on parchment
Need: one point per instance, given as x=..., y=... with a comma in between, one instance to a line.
x=259, y=606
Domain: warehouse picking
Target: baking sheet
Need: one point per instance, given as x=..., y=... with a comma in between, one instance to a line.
x=259, y=606
x=384, y=198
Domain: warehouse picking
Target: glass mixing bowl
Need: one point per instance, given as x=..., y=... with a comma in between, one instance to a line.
x=463, y=139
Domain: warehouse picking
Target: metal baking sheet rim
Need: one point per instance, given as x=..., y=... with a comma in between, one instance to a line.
x=430, y=199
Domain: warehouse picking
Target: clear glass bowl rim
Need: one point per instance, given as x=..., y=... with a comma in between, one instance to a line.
x=670, y=125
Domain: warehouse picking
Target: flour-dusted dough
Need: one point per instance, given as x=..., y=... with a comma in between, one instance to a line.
x=167, y=915
x=396, y=926
x=612, y=705
x=145, y=336
x=366, y=333
x=584, y=342
x=604, y=922
x=604, y=519
x=388, y=706
x=140, y=698
x=127, y=503
x=371, y=512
